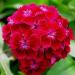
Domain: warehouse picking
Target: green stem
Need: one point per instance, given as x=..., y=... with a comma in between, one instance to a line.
x=4, y=63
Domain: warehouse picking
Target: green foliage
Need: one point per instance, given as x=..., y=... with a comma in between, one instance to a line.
x=4, y=65
x=72, y=45
x=15, y=68
x=72, y=25
x=72, y=4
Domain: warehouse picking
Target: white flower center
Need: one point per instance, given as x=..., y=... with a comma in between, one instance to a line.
x=52, y=34
x=67, y=32
x=27, y=13
x=11, y=21
x=33, y=66
x=60, y=24
x=43, y=8
x=23, y=44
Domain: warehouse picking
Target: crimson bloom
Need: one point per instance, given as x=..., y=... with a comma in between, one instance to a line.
x=38, y=37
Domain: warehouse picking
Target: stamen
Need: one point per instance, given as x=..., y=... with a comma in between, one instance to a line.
x=60, y=24
x=67, y=32
x=27, y=13
x=33, y=66
x=11, y=21
x=23, y=44
x=52, y=34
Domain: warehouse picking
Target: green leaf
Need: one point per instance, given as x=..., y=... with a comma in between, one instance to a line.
x=64, y=9
x=58, y=2
x=4, y=60
x=2, y=72
x=72, y=25
x=1, y=5
x=20, y=73
x=15, y=68
x=66, y=12
x=72, y=4
x=1, y=40
x=66, y=2
x=11, y=2
x=72, y=45
x=4, y=65
x=63, y=67
x=6, y=13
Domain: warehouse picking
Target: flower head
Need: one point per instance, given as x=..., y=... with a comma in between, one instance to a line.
x=38, y=37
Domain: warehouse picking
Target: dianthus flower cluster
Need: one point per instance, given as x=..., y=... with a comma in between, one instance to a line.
x=38, y=37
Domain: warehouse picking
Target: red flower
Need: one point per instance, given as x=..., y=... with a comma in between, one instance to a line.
x=6, y=33
x=38, y=37
x=33, y=66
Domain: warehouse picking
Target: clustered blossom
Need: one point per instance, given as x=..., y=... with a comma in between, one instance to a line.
x=38, y=37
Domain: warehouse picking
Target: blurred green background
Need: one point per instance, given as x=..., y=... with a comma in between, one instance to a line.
x=66, y=9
